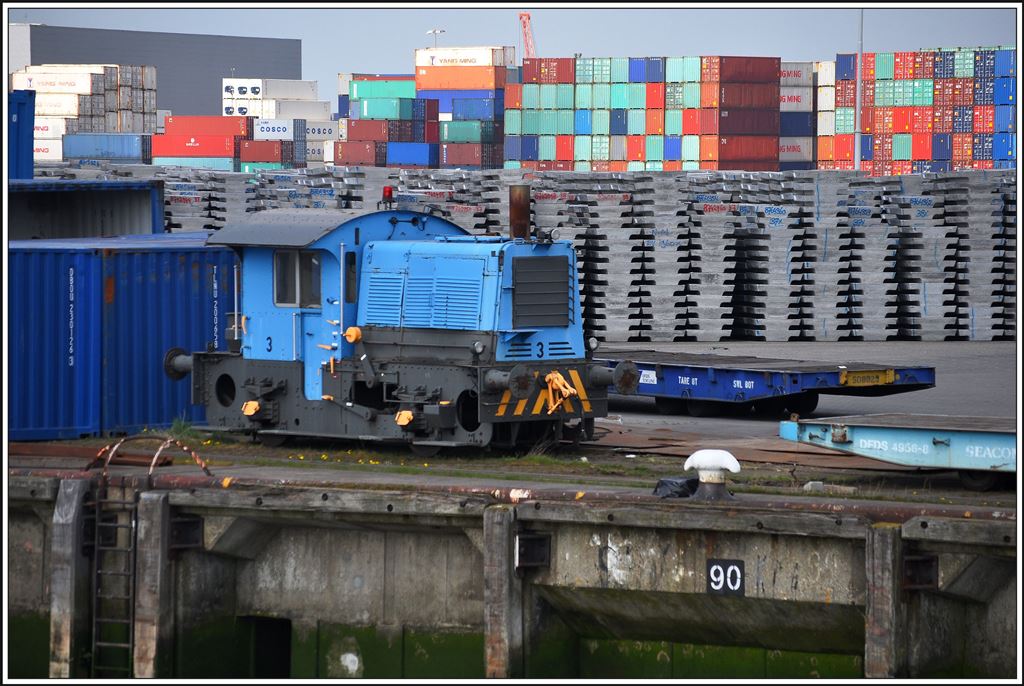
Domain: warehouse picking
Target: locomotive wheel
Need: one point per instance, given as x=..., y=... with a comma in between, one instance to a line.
x=272, y=440
x=424, y=451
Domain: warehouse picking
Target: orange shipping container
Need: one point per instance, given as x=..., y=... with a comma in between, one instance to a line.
x=709, y=166
x=982, y=164
x=600, y=166
x=882, y=148
x=963, y=146
x=921, y=146
x=618, y=165
x=672, y=165
x=826, y=164
x=460, y=78
x=708, y=149
x=842, y=147
x=655, y=122
x=513, y=96
x=564, y=148
x=847, y=165
x=901, y=167
x=708, y=121
x=636, y=148
x=922, y=120
x=902, y=119
x=709, y=69
x=869, y=66
x=826, y=148
x=709, y=95
x=867, y=166
x=691, y=122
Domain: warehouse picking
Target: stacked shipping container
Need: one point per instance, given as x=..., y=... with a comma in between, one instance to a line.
x=797, y=123
x=746, y=92
x=389, y=126
x=273, y=99
x=825, y=110
x=202, y=142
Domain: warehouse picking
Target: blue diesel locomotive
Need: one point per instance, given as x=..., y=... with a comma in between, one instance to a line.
x=399, y=326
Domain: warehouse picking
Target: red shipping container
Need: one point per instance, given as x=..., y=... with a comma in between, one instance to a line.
x=532, y=165
x=963, y=92
x=617, y=165
x=881, y=167
x=709, y=69
x=749, y=69
x=655, y=96
x=691, y=122
x=902, y=167
x=903, y=65
x=545, y=165
x=531, y=70
x=922, y=120
x=982, y=164
x=867, y=166
x=883, y=120
x=707, y=122
x=431, y=109
x=942, y=119
x=882, y=147
x=513, y=96
x=188, y=125
x=902, y=119
x=708, y=149
x=564, y=148
x=826, y=164
x=984, y=118
x=561, y=166
x=602, y=165
x=847, y=165
x=557, y=70
x=867, y=93
x=709, y=95
x=752, y=96
x=961, y=163
x=846, y=93
x=400, y=131
x=354, y=152
x=942, y=92
x=260, y=151
x=869, y=67
x=749, y=165
x=667, y=165
x=636, y=148
x=431, y=132
x=708, y=165
x=921, y=146
x=753, y=148
x=867, y=119
x=843, y=146
x=924, y=65
x=748, y=122
x=169, y=145
x=461, y=153
x=963, y=146
x=655, y=122
x=826, y=148
x=367, y=130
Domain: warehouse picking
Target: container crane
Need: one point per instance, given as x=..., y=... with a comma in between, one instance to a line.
x=524, y=23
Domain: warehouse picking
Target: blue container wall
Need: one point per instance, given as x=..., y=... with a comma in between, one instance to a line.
x=513, y=147
x=846, y=67
x=654, y=70
x=343, y=105
x=984, y=91
x=477, y=109
x=1006, y=63
x=867, y=147
x=21, y=106
x=1004, y=146
x=982, y=148
x=422, y=154
x=1006, y=118
x=796, y=124
x=1006, y=91
x=618, y=125
x=637, y=69
x=942, y=146
x=673, y=147
x=945, y=65
x=445, y=97
x=797, y=166
x=54, y=344
x=584, y=123
x=984, y=64
x=1004, y=164
x=531, y=148
x=963, y=119
x=934, y=167
x=108, y=146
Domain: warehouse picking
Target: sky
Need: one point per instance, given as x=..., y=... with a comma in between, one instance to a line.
x=382, y=40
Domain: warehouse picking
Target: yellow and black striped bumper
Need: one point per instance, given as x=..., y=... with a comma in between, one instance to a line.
x=545, y=401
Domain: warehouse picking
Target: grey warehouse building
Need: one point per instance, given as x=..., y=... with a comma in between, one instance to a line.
x=189, y=67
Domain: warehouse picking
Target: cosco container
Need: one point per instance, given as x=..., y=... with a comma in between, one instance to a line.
x=90, y=322
x=796, y=74
x=128, y=147
x=274, y=129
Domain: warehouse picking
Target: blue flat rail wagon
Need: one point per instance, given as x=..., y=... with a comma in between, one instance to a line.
x=705, y=384
x=982, y=449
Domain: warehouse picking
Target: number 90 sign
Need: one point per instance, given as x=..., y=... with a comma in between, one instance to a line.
x=725, y=577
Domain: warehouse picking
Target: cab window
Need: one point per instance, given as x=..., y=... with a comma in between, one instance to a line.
x=297, y=278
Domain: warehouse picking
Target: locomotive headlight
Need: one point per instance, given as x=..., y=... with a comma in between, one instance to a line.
x=477, y=347
x=555, y=234
x=592, y=343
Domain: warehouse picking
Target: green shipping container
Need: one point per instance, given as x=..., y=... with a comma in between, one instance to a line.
x=635, y=166
x=531, y=96
x=691, y=166
x=674, y=95
x=566, y=122
x=251, y=167
x=963, y=65
x=547, y=148
x=655, y=166
x=600, y=147
x=691, y=148
x=885, y=65
x=564, y=96
x=581, y=166
x=845, y=120
x=385, y=108
x=903, y=94
x=636, y=122
x=674, y=70
x=513, y=164
x=902, y=146
x=619, y=96
x=466, y=131
x=620, y=70
x=602, y=96
x=673, y=122
x=513, y=122
x=600, y=122
x=602, y=70
x=691, y=96
x=584, y=70
x=691, y=69
x=581, y=149
x=924, y=92
x=364, y=90
x=548, y=96
x=637, y=96
x=656, y=148
x=531, y=122
x=884, y=92
x=584, y=97
x=548, y=122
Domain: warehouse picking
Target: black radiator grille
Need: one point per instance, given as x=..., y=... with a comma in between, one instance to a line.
x=540, y=292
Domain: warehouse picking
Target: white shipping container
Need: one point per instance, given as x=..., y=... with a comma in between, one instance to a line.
x=149, y=78
x=826, y=100
x=315, y=150
x=796, y=74
x=826, y=123
x=296, y=109
x=83, y=84
x=49, y=127
x=161, y=115
x=329, y=152
x=48, y=150
x=69, y=68
x=486, y=56
x=241, y=88
x=273, y=130
x=344, y=81
x=444, y=116
x=796, y=99
x=796, y=149
x=289, y=89
x=62, y=104
x=321, y=130
x=342, y=130
x=825, y=73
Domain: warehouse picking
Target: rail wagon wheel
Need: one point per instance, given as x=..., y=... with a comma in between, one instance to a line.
x=803, y=403
x=979, y=481
x=705, y=408
x=669, y=405
x=770, y=407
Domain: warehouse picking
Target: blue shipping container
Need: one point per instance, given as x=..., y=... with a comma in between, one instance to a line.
x=419, y=130
x=513, y=147
x=1004, y=164
x=942, y=146
x=982, y=148
x=984, y=91
x=673, y=147
x=420, y=154
x=445, y=97
x=984, y=64
x=1006, y=91
x=419, y=108
x=963, y=119
x=846, y=67
x=343, y=105
x=1004, y=146
x=867, y=147
x=654, y=70
x=1006, y=63
x=617, y=125
x=637, y=69
x=797, y=166
x=477, y=109
x=84, y=207
x=584, y=123
x=945, y=65
x=934, y=167
x=797, y=124
x=530, y=148
x=1006, y=118
x=21, y=107
x=91, y=321
x=109, y=146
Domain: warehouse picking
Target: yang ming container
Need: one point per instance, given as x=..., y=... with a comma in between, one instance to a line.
x=91, y=321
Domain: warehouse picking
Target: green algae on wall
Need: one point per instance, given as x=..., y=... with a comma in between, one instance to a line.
x=28, y=645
